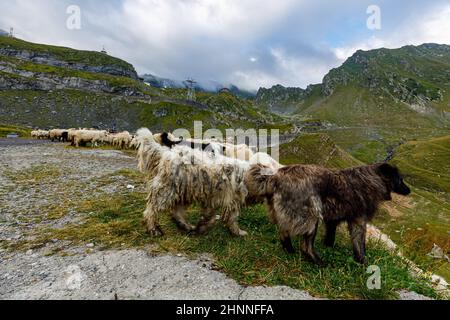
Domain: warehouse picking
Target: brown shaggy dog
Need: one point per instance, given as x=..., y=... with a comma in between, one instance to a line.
x=300, y=196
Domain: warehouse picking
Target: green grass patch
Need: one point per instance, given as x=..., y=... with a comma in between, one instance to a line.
x=21, y=131
x=34, y=175
x=66, y=54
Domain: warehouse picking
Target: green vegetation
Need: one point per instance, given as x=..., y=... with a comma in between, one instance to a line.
x=426, y=163
x=35, y=175
x=69, y=55
x=7, y=129
x=424, y=220
x=115, y=221
x=316, y=149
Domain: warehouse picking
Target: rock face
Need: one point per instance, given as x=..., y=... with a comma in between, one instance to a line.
x=410, y=74
x=49, y=59
x=415, y=75
x=282, y=100
x=14, y=79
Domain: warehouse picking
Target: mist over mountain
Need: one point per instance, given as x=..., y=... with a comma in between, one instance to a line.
x=203, y=86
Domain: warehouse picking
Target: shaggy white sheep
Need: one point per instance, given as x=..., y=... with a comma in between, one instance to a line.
x=183, y=176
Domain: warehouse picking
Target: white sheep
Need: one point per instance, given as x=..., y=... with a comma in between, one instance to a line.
x=183, y=176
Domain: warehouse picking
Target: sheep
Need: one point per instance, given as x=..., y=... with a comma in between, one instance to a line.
x=40, y=134
x=122, y=140
x=57, y=134
x=241, y=152
x=82, y=137
x=182, y=176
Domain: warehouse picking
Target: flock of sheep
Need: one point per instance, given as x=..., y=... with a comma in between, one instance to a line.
x=221, y=177
x=82, y=137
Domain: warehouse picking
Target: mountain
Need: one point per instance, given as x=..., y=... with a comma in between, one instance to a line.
x=282, y=100
x=3, y=33
x=376, y=100
x=48, y=86
x=205, y=86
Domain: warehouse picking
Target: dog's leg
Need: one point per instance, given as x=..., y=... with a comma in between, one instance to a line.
x=151, y=222
x=330, y=233
x=286, y=242
x=307, y=245
x=358, y=231
x=179, y=216
x=272, y=212
x=232, y=224
x=207, y=220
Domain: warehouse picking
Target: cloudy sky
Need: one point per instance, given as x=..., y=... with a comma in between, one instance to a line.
x=250, y=43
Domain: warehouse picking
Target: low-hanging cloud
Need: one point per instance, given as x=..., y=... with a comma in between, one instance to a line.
x=249, y=43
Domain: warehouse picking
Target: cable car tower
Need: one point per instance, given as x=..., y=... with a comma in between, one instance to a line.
x=191, y=89
x=11, y=32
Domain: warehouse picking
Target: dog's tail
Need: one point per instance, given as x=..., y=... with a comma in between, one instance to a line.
x=259, y=180
x=149, y=151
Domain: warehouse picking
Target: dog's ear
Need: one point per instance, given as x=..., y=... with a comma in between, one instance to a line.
x=387, y=170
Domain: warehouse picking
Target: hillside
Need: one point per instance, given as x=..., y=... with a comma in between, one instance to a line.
x=47, y=86
x=377, y=99
x=205, y=86
x=423, y=219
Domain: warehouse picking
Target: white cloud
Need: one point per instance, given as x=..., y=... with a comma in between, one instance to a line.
x=432, y=26
x=250, y=43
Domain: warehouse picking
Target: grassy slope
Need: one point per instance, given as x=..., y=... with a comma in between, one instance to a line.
x=62, y=108
x=425, y=219
x=7, y=129
x=113, y=81
x=316, y=149
x=92, y=58
x=369, y=125
x=366, y=102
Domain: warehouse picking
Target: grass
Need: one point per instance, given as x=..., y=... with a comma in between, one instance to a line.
x=7, y=129
x=34, y=175
x=426, y=163
x=316, y=149
x=116, y=222
x=111, y=80
x=66, y=54
x=426, y=221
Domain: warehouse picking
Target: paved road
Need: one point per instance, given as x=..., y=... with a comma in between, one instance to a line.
x=21, y=142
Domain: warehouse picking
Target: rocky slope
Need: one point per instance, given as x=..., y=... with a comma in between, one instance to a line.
x=89, y=61
x=377, y=99
x=49, y=86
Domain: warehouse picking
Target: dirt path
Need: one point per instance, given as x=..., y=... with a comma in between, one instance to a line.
x=34, y=176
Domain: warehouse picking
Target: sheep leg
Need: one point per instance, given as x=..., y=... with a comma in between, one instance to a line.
x=232, y=224
x=151, y=222
x=179, y=216
x=207, y=220
x=307, y=245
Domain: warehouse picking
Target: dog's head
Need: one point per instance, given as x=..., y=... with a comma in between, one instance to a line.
x=394, y=179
